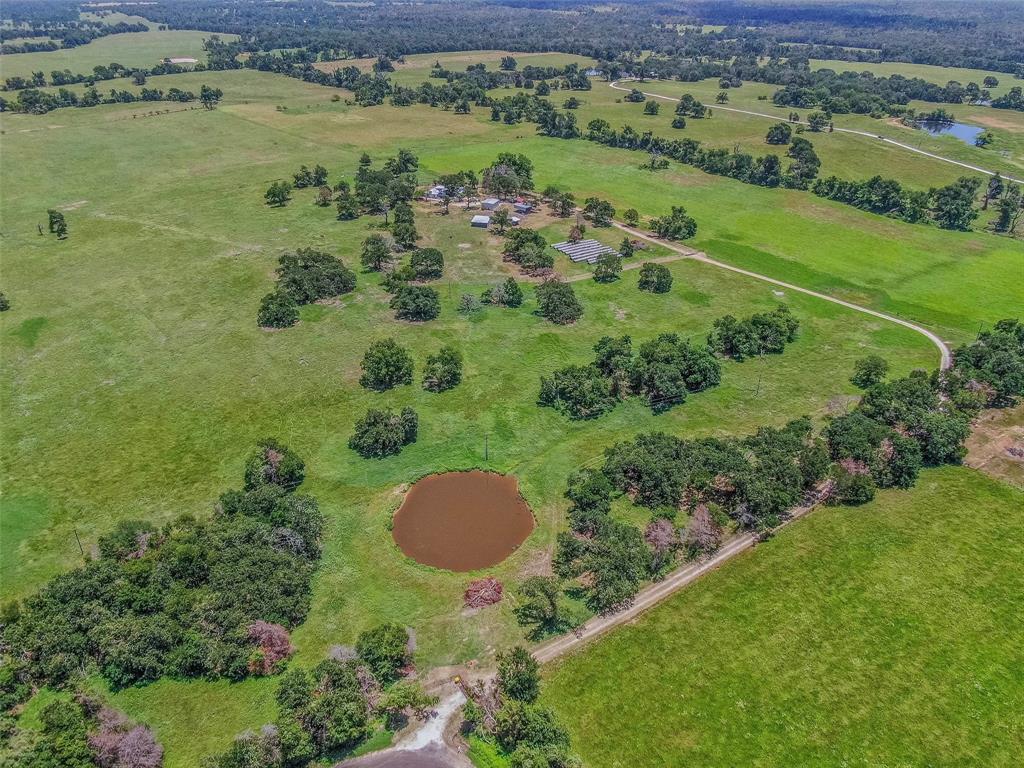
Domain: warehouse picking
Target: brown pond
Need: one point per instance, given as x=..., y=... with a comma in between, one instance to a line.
x=462, y=521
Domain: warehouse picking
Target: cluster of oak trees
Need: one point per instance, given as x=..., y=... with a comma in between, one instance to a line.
x=665, y=369
x=751, y=483
x=193, y=598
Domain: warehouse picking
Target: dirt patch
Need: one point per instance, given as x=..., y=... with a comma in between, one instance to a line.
x=73, y=206
x=996, y=444
x=462, y=521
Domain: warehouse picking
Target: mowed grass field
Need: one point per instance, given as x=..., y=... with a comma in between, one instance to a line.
x=886, y=635
x=135, y=379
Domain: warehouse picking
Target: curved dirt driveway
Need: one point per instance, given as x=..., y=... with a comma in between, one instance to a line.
x=945, y=357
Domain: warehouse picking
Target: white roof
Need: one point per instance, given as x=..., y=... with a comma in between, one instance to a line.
x=492, y=200
x=481, y=220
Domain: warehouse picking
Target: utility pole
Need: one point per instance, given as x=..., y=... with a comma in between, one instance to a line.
x=485, y=446
x=80, y=547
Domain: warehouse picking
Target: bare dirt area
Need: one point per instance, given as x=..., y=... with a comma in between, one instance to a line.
x=996, y=445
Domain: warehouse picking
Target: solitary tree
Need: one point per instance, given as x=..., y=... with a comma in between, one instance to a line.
x=278, y=193
x=631, y=217
x=210, y=97
x=427, y=263
x=416, y=302
x=868, y=371
x=376, y=254
x=385, y=365
x=676, y=226
x=608, y=268
x=518, y=675
x=655, y=278
x=383, y=433
x=501, y=219
x=443, y=370
x=558, y=302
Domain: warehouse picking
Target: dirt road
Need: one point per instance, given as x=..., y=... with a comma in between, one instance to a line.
x=683, y=252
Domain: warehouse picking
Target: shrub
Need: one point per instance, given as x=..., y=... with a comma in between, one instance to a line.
x=652, y=108
x=506, y=294
x=274, y=463
x=443, y=370
x=427, y=263
x=655, y=278
x=383, y=433
x=386, y=365
x=631, y=216
x=277, y=310
x=309, y=275
x=417, y=303
x=5, y=303
x=558, y=302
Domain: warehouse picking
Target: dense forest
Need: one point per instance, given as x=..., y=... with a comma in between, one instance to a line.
x=955, y=33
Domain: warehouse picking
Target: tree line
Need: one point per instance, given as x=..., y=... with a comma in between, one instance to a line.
x=36, y=102
x=751, y=483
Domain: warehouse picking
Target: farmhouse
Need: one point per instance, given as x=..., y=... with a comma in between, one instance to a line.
x=480, y=221
x=523, y=208
x=491, y=203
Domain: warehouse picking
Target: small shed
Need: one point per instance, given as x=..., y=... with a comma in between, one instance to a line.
x=491, y=203
x=514, y=220
x=480, y=221
x=523, y=208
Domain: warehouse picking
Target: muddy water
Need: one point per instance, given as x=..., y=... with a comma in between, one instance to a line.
x=462, y=521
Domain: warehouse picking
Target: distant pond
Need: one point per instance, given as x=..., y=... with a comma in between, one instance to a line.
x=966, y=133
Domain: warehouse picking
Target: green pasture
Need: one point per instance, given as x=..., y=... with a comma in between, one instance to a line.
x=130, y=49
x=135, y=379
x=886, y=634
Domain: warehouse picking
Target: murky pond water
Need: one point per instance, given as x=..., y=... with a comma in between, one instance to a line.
x=462, y=521
x=966, y=133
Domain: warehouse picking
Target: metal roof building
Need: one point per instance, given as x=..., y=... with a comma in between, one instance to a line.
x=585, y=250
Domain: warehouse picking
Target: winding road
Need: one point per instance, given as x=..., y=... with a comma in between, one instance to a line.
x=777, y=118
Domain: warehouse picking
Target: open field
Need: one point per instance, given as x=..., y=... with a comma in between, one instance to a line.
x=882, y=635
x=130, y=49
x=135, y=378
